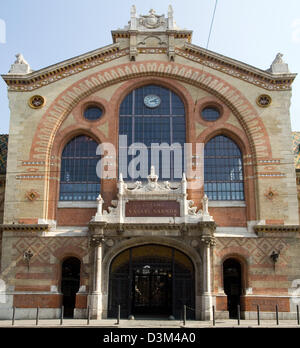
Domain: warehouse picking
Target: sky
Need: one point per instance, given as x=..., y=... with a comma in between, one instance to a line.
x=48, y=32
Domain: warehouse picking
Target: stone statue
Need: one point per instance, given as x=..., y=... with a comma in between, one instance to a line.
x=278, y=59
x=205, y=205
x=20, y=66
x=279, y=66
x=20, y=59
x=99, y=205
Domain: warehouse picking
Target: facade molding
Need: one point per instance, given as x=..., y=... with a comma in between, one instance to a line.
x=245, y=72
x=64, y=103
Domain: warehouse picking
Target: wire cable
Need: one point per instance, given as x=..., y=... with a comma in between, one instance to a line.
x=211, y=25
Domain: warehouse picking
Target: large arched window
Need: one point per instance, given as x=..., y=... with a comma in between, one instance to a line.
x=223, y=170
x=152, y=115
x=79, y=180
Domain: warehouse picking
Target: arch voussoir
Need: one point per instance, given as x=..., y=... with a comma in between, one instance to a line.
x=65, y=102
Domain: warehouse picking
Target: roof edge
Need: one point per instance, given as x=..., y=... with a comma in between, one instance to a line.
x=65, y=64
x=240, y=65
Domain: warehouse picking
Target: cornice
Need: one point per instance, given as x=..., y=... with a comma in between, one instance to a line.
x=282, y=231
x=151, y=226
x=236, y=68
x=178, y=34
x=23, y=227
x=59, y=71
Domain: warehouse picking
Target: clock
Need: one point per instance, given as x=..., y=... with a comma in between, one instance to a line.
x=152, y=101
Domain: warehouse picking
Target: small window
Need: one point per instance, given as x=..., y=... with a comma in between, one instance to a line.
x=92, y=113
x=210, y=114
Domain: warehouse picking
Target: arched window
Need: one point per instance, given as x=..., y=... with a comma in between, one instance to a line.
x=223, y=170
x=152, y=115
x=79, y=180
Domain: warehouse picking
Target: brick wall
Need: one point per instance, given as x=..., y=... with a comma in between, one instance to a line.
x=44, y=269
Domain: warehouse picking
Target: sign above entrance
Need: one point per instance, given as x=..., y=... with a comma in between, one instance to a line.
x=152, y=209
x=152, y=202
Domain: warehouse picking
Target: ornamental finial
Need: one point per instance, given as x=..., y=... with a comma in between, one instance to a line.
x=20, y=66
x=133, y=11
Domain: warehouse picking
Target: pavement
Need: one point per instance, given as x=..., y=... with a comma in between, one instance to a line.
x=112, y=323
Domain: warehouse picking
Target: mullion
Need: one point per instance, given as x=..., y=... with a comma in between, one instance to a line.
x=155, y=131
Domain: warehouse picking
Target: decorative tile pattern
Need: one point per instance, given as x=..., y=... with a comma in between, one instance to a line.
x=43, y=248
x=3, y=152
x=296, y=148
x=258, y=249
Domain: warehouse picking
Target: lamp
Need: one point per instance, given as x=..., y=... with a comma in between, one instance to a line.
x=274, y=256
x=27, y=257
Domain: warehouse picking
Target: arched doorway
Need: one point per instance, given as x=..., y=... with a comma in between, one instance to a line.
x=70, y=282
x=232, y=276
x=152, y=280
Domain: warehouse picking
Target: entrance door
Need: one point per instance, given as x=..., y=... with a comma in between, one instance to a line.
x=152, y=293
x=70, y=283
x=151, y=280
x=232, y=285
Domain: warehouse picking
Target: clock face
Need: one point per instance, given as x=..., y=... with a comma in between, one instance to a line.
x=152, y=101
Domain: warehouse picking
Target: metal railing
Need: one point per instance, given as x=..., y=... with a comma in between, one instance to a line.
x=258, y=315
x=184, y=318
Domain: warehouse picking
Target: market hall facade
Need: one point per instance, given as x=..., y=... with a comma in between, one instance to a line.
x=92, y=218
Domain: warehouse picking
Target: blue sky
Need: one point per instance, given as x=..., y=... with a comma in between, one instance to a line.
x=47, y=32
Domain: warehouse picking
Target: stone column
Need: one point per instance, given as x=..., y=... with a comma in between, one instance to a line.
x=207, y=302
x=95, y=299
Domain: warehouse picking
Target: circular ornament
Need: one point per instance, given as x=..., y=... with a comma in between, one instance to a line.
x=152, y=101
x=263, y=100
x=194, y=243
x=36, y=102
x=110, y=242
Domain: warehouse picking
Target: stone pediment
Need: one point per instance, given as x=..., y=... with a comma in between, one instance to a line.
x=152, y=202
x=149, y=34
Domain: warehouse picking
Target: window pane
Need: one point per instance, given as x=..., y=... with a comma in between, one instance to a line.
x=223, y=170
x=79, y=180
x=210, y=114
x=92, y=113
x=164, y=123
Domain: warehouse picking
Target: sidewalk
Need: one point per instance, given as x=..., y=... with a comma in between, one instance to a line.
x=112, y=323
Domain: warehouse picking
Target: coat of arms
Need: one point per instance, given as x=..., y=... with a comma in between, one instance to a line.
x=152, y=20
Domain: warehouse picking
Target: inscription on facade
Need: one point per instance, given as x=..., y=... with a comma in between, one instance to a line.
x=152, y=208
